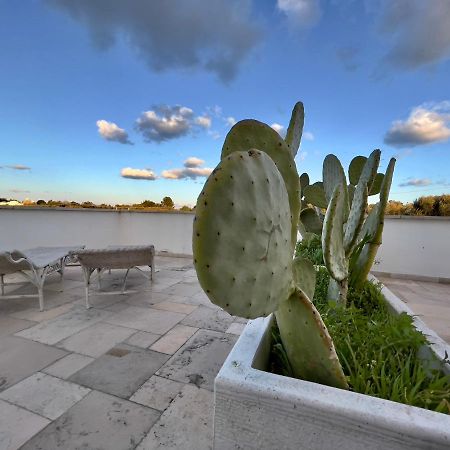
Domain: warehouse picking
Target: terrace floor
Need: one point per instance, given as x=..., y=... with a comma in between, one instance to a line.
x=428, y=300
x=134, y=371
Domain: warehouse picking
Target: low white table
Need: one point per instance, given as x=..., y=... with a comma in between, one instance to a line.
x=35, y=264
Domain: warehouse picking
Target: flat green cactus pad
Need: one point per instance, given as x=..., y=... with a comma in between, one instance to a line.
x=355, y=169
x=308, y=345
x=304, y=275
x=295, y=128
x=376, y=186
x=333, y=174
x=315, y=195
x=241, y=236
x=333, y=236
x=304, y=180
x=311, y=221
x=248, y=134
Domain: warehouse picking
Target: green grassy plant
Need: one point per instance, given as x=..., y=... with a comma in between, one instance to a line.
x=310, y=249
x=378, y=351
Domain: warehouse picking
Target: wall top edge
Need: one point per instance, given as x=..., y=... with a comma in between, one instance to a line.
x=417, y=217
x=97, y=210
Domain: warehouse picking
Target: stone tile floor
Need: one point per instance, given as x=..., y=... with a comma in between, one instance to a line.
x=134, y=371
x=428, y=300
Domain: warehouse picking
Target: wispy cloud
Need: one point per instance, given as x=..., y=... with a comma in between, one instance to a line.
x=301, y=13
x=416, y=182
x=19, y=191
x=192, y=169
x=138, y=174
x=308, y=136
x=426, y=124
x=216, y=36
x=111, y=132
x=16, y=167
x=420, y=31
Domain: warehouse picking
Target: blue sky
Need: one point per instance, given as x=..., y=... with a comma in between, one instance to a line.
x=118, y=102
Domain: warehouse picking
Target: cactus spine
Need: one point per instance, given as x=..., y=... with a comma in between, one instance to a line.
x=244, y=236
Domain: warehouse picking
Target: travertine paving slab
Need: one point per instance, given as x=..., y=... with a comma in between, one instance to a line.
x=210, y=319
x=200, y=359
x=186, y=423
x=142, y=339
x=18, y=426
x=67, y=366
x=149, y=298
x=120, y=371
x=98, y=422
x=236, y=328
x=175, y=307
x=10, y=325
x=97, y=339
x=146, y=319
x=54, y=330
x=45, y=395
x=157, y=392
x=39, y=316
x=19, y=358
x=184, y=289
x=173, y=339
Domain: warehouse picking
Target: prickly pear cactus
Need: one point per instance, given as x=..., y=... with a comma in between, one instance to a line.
x=242, y=236
x=295, y=128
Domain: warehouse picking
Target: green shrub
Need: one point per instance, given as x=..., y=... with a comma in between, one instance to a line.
x=311, y=249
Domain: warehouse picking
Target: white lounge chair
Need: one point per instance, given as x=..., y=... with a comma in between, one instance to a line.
x=34, y=264
x=127, y=257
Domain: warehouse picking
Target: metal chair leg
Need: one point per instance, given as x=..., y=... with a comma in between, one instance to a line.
x=2, y=283
x=125, y=281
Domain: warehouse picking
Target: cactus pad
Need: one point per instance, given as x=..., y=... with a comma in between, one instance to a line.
x=355, y=169
x=332, y=236
x=333, y=174
x=356, y=216
x=251, y=134
x=376, y=186
x=315, y=195
x=241, y=236
x=295, y=128
x=304, y=180
x=311, y=221
x=307, y=342
x=304, y=275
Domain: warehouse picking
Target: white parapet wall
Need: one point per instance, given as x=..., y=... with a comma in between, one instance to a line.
x=415, y=247
x=412, y=246
x=22, y=228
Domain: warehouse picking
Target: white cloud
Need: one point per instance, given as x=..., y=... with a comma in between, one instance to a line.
x=111, y=132
x=308, y=136
x=230, y=121
x=426, y=124
x=279, y=129
x=192, y=169
x=193, y=161
x=203, y=121
x=165, y=122
x=138, y=174
x=416, y=182
x=302, y=13
x=214, y=35
x=302, y=155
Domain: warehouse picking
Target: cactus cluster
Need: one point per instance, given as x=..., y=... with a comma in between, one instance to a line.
x=244, y=236
x=350, y=240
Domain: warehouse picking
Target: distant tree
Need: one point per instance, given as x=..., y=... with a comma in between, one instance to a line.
x=88, y=205
x=149, y=204
x=41, y=202
x=167, y=202
x=3, y=199
x=185, y=208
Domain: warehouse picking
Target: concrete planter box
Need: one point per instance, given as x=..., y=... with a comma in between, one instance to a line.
x=255, y=409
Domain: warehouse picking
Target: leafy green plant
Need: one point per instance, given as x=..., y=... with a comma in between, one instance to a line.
x=379, y=351
x=311, y=249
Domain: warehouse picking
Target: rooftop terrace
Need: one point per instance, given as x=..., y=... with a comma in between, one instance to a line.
x=136, y=370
